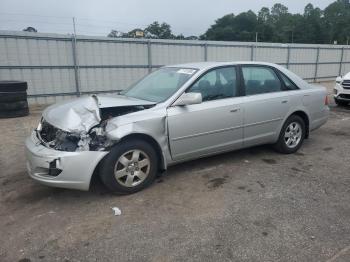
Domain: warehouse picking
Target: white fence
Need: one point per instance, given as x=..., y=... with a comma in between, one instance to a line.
x=58, y=66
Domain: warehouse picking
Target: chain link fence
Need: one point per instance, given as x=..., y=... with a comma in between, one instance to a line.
x=60, y=66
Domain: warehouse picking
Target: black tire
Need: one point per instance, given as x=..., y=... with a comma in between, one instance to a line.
x=13, y=86
x=281, y=145
x=340, y=103
x=13, y=105
x=108, y=164
x=12, y=96
x=14, y=113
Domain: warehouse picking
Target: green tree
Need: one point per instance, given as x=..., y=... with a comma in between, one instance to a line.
x=223, y=29
x=230, y=27
x=313, y=26
x=278, y=11
x=160, y=31
x=115, y=34
x=265, y=26
x=337, y=21
x=272, y=25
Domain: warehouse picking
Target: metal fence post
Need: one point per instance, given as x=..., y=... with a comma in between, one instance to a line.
x=252, y=53
x=149, y=56
x=316, y=64
x=76, y=65
x=206, y=52
x=288, y=57
x=341, y=61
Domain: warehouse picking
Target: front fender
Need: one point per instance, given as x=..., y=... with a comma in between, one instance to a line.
x=153, y=128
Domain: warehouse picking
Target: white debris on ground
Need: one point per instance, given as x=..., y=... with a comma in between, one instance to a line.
x=117, y=211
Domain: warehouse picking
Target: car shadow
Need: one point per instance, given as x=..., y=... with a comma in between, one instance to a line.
x=337, y=108
x=37, y=192
x=237, y=156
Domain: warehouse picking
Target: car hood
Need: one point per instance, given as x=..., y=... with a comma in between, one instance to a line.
x=347, y=76
x=81, y=114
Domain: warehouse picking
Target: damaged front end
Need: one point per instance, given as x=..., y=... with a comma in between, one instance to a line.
x=80, y=124
x=58, y=139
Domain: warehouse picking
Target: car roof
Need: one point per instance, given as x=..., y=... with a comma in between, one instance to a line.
x=204, y=66
x=208, y=65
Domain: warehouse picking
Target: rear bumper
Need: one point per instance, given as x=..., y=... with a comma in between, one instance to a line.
x=76, y=167
x=321, y=120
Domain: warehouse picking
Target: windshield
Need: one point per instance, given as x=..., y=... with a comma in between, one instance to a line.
x=161, y=84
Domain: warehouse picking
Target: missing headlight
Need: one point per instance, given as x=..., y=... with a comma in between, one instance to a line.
x=61, y=140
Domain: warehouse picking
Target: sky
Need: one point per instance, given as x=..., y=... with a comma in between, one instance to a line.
x=189, y=17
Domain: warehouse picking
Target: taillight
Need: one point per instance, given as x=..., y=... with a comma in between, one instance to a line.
x=326, y=101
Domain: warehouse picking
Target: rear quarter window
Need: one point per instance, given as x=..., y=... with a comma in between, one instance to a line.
x=289, y=85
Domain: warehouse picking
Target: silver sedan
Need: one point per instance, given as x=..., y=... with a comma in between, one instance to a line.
x=174, y=114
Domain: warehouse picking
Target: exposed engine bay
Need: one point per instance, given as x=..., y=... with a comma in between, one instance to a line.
x=93, y=140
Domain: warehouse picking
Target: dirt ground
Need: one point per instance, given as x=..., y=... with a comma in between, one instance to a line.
x=250, y=205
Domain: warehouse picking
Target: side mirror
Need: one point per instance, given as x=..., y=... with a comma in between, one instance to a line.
x=188, y=99
x=338, y=79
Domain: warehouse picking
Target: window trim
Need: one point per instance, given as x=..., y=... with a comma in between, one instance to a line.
x=282, y=74
x=274, y=69
x=122, y=92
x=238, y=81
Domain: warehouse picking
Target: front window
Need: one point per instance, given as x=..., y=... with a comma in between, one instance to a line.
x=217, y=84
x=161, y=84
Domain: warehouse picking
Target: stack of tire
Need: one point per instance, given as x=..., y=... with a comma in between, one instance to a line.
x=13, y=99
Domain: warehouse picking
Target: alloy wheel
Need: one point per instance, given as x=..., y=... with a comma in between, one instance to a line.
x=132, y=168
x=293, y=135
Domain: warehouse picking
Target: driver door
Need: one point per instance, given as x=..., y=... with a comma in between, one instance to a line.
x=215, y=125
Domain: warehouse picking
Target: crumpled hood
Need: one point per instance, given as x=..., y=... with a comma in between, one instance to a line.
x=81, y=114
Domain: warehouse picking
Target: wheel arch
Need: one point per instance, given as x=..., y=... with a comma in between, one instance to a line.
x=306, y=119
x=149, y=139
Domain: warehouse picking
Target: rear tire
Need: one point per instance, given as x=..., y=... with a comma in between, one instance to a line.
x=292, y=135
x=14, y=113
x=12, y=96
x=13, y=86
x=13, y=105
x=129, y=167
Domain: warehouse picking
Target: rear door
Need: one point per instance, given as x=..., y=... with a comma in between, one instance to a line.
x=214, y=125
x=266, y=104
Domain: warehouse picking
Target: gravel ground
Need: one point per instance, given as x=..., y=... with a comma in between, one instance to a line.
x=250, y=205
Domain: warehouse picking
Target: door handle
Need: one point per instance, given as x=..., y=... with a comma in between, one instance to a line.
x=234, y=110
x=284, y=102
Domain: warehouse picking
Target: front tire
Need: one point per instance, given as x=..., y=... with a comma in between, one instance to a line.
x=292, y=135
x=129, y=167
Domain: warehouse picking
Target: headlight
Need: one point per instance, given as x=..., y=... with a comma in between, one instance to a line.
x=40, y=125
x=338, y=80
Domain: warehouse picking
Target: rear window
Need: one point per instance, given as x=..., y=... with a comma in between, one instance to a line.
x=260, y=80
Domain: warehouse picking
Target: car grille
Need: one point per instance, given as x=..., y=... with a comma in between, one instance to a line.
x=345, y=96
x=346, y=84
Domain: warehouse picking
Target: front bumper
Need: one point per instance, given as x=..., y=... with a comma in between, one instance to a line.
x=77, y=167
x=341, y=93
